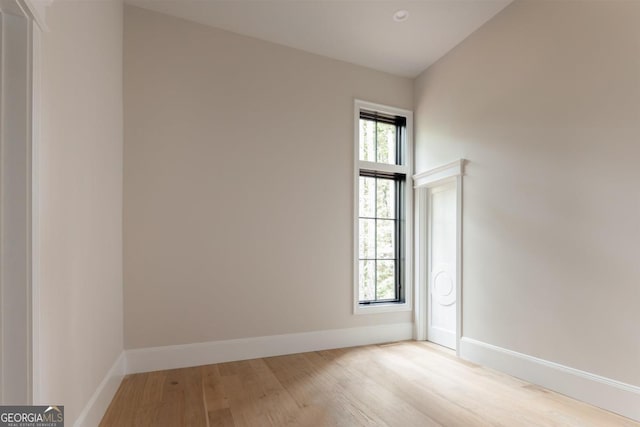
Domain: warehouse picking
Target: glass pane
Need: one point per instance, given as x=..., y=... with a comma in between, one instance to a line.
x=386, y=143
x=386, y=280
x=385, y=239
x=367, y=140
x=367, y=197
x=367, y=239
x=367, y=291
x=386, y=196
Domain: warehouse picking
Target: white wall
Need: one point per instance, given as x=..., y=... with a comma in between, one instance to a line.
x=238, y=184
x=544, y=102
x=81, y=200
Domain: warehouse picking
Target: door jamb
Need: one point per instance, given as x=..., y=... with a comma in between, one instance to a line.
x=34, y=13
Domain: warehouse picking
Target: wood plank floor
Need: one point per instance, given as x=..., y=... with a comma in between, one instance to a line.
x=400, y=384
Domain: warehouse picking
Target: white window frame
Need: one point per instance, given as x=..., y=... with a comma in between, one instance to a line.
x=405, y=169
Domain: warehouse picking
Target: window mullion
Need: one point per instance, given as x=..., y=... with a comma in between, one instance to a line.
x=375, y=144
x=375, y=237
x=398, y=237
x=382, y=167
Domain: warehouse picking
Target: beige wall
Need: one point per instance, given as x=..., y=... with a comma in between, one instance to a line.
x=81, y=206
x=544, y=102
x=238, y=184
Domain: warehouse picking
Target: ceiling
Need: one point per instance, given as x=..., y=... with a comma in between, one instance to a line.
x=362, y=32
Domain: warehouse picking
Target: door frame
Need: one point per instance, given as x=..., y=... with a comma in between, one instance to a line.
x=33, y=14
x=423, y=182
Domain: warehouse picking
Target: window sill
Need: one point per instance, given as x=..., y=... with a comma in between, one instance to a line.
x=391, y=307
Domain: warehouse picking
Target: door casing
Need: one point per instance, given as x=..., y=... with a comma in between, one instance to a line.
x=20, y=29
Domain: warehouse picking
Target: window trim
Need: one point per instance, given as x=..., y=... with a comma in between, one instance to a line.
x=405, y=169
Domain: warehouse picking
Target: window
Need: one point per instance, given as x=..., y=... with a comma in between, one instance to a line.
x=383, y=197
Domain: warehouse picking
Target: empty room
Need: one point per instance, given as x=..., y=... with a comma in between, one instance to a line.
x=319, y=213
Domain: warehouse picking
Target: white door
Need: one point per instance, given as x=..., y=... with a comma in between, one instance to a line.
x=441, y=309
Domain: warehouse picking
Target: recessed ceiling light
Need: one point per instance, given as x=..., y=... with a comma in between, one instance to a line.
x=400, y=15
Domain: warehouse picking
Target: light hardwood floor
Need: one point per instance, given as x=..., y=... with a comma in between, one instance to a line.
x=400, y=384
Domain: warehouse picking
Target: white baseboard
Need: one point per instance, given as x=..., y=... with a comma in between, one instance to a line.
x=181, y=356
x=95, y=408
x=612, y=395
